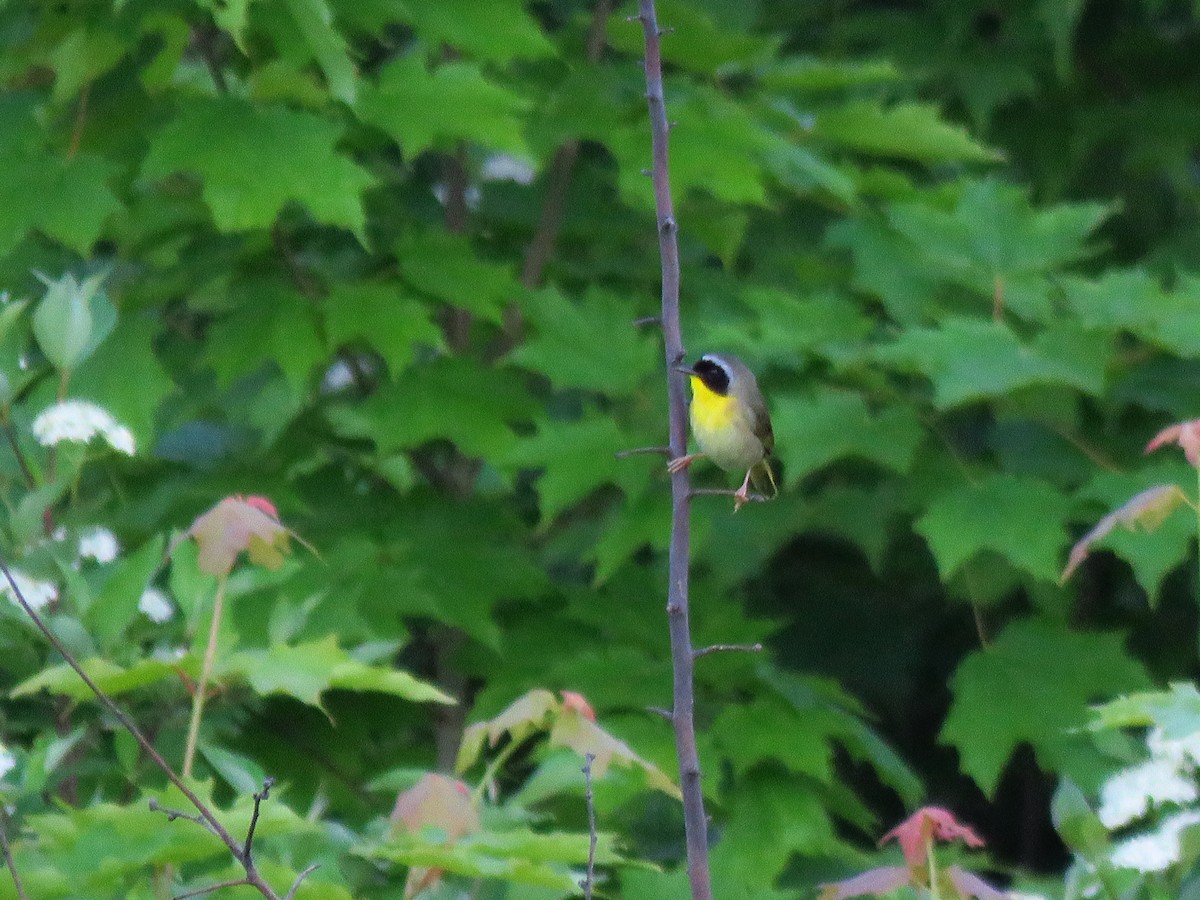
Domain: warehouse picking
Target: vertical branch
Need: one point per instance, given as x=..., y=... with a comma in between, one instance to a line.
x=590, y=879
x=682, y=661
x=18, y=885
x=210, y=654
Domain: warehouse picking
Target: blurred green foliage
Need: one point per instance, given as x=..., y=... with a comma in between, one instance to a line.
x=380, y=262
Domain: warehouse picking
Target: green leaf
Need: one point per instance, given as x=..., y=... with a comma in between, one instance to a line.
x=66, y=198
x=273, y=323
x=63, y=322
x=241, y=773
x=306, y=671
x=913, y=131
x=451, y=398
x=1057, y=674
x=446, y=266
x=1176, y=711
x=1021, y=519
x=973, y=359
x=811, y=432
x=498, y=31
x=568, y=343
x=117, y=605
x=575, y=459
x=809, y=74
x=253, y=160
x=108, y=676
x=315, y=21
x=410, y=101
x=383, y=317
x=700, y=40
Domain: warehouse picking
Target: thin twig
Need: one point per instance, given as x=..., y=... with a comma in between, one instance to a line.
x=80, y=120
x=727, y=648
x=643, y=451
x=8, y=857
x=199, y=892
x=173, y=814
x=664, y=714
x=259, y=797
x=695, y=821
x=22, y=463
x=590, y=801
x=212, y=822
x=299, y=878
x=644, y=321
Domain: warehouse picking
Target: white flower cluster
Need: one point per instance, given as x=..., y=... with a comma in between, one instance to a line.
x=1168, y=777
x=8, y=762
x=156, y=606
x=79, y=421
x=36, y=593
x=99, y=544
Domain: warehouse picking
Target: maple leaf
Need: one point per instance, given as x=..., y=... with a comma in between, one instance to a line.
x=926, y=824
x=527, y=714
x=578, y=731
x=1146, y=509
x=1185, y=434
x=236, y=524
x=436, y=801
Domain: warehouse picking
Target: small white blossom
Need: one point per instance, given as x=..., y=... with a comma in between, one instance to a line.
x=1156, y=850
x=1184, y=752
x=337, y=377
x=80, y=421
x=471, y=195
x=99, y=544
x=156, y=606
x=169, y=654
x=36, y=593
x=1130, y=793
x=8, y=762
x=505, y=167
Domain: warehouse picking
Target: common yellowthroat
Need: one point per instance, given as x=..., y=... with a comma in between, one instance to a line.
x=730, y=421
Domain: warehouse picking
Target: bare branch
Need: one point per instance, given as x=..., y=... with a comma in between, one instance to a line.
x=727, y=648
x=258, y=799
x=300, y=878
x=646, y=321
x=205, y=813
x=682, y=664
x=588, y=881
x=8, y=857
x=643, y=451
x=173, y=814
x=200, y=892
x=664, y=714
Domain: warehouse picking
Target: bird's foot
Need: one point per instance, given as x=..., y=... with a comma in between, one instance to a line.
x=679, y=463
x=742, y=495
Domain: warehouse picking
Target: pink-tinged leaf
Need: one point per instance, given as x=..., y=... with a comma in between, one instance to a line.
x=1146, y=510
x=573, y=729
x=1185, y=434
x=968, y=884
x=929, y=823
x=436, y=801
x=239, y=524
x=873, y=882
x=577, y=702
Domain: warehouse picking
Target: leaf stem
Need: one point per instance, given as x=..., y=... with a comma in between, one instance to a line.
x=210, y=654
x=935, y=892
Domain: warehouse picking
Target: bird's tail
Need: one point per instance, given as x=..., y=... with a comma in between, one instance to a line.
x=763, y=477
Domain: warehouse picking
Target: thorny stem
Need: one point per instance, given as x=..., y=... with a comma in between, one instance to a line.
x=210, y=654
x=211, y=821
x=682, y=663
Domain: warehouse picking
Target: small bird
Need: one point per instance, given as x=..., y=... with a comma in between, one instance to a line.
x=730, y=421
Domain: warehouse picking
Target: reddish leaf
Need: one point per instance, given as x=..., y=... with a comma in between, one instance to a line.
x=1185, y=434
x=968, y=884
x=436, y=801
x=236, y=524
x=577, y=702
x=873, y=882
x=1146, y=510
x=929, y=823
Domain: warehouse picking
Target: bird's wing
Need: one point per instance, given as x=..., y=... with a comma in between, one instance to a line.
x=760, y=421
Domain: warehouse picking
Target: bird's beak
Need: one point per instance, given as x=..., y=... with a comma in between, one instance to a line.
x=686, y=370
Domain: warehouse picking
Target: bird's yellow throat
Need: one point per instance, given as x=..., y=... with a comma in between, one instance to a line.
x=710, y=410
